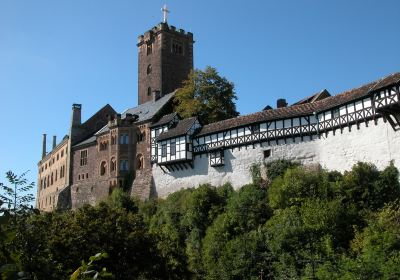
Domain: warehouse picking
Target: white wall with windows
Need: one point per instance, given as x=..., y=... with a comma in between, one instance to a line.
x=378, y=144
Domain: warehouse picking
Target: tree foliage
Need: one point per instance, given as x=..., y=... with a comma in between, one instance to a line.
x=17, y=196
x=207, y=95
x=306, y=223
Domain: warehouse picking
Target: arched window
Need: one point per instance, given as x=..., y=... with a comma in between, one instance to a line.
x=148, y=91
x=51, y=178
x=103, y=168
x=113, y=165
x=149, y=69
x=139, y=162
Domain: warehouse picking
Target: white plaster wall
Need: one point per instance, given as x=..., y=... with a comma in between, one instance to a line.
x=378, y=144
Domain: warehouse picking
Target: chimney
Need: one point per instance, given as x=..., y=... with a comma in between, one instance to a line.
x=54, y=141
x=44, y=146
x=281, y=102
x=76, y=114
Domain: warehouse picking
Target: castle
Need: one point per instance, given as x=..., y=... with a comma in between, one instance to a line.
x=151, y=151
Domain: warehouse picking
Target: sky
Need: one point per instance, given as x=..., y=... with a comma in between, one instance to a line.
x=56, y=53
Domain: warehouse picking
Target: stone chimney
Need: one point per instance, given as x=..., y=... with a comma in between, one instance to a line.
x=54, y=141
x=76, y=114
x=281, y=102
x=44, y=146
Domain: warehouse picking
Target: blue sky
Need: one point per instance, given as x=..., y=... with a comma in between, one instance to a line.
x=55, y=53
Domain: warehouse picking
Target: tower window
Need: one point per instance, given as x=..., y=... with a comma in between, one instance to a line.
x=177, y=48
x=149, y=48
x=124, y=139
x=149, y=69
x=123, y=165
x=148, y=91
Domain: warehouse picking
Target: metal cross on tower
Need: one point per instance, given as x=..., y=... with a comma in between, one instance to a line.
x=165, y=13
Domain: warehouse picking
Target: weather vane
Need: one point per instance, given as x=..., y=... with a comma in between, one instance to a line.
x=165, y=13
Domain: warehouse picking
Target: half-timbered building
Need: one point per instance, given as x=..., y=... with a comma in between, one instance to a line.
x=361, y=124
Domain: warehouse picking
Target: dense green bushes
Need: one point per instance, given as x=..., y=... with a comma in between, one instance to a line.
x=306, y=223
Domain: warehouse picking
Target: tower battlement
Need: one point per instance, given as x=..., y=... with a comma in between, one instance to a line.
x=150, y=34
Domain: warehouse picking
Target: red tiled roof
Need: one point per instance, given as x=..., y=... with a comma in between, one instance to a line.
x=302, y=109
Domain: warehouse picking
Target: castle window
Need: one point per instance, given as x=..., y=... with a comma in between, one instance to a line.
x=56, y=174
x=51, y=178
x=123, y=165
x=87, y=175
x=62, y=153
x=44, y=184
x=58, y=156
x=103, y=168
x=173, y=149
x=113, y=164
x=177, y=48
x=217, y=158
x=149, y=69
x=79, y=176
x=84, y=154
x=164, y=150
x=103, y=145
x=148, y=91
x=113, y=140
x=149, y=49
x=267, y=153
x=124, y=139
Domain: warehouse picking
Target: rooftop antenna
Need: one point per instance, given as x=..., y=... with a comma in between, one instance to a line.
x=165, y=11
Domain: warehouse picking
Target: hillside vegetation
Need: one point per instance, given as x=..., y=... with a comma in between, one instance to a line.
x=303, y=224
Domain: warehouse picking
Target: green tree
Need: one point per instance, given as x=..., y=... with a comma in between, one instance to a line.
x=207, y=95
x=17, y=197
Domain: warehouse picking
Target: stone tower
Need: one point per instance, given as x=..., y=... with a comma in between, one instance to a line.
x=165, y=60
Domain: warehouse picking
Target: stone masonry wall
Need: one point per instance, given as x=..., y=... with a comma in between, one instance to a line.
x=378, y=144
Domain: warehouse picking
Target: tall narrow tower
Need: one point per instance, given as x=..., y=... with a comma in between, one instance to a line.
x=165, y=60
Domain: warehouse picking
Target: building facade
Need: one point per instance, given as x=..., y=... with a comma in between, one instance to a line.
x=152, y=152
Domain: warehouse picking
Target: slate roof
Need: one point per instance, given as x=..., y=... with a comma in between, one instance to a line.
x=181, y=128
x=302, y=109
x=90, y=140
x=148, y=110
x=164, y=120
x=145, y=111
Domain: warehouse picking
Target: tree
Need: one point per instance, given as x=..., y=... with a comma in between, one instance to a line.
x=17, y=197
x=207, y=95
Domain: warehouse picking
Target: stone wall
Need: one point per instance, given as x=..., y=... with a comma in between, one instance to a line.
x=378, y=144
x=50, y=171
